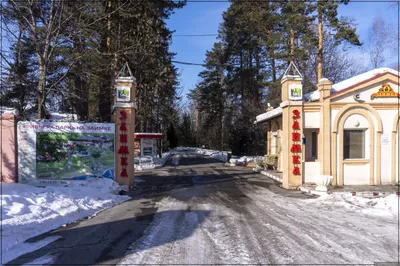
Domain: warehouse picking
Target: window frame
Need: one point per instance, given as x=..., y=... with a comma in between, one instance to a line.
x=347, y=152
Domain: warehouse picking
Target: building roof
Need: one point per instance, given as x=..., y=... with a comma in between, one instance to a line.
x=144, y=135
x=268, y=115
x=340, y=86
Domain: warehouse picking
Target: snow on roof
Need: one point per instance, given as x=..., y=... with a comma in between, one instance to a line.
x=314, y=95
x=268, y=115
x=144, y=135
x=8, y=110
x=63, y=117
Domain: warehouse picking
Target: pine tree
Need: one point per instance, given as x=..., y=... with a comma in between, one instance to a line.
x=340, y=28
x=20, y=78
x=172, y=138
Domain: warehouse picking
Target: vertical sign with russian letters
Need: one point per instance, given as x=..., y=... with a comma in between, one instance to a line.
x=125, y=126
x=296, y=143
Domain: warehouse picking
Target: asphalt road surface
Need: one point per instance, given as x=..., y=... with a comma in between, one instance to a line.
x=202, y=212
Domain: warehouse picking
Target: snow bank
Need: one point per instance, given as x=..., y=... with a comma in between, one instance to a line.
x=28, y=211
x=63, y=117
x=219, y=155
x=385, y=206
x=151, y=162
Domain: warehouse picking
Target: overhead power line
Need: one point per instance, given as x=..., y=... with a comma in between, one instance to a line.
x=193, y=35
x=197, y=64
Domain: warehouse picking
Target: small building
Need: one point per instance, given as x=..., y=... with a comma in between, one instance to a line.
x=348, y=130
x=146, y=144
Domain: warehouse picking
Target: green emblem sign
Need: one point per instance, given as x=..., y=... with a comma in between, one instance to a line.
x=123, y=93
x=295, y=92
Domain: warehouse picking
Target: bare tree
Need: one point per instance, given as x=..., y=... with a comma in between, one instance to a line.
x=380, y=42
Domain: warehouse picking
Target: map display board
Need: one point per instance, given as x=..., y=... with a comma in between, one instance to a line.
x=56, y=153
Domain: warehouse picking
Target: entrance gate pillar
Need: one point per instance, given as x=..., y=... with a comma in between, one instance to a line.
x=292, y=128
x=124, y=115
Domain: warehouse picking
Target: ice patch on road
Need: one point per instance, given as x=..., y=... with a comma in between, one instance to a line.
x=24, y=248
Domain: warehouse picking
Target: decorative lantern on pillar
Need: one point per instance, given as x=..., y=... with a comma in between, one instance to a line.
x=124, y=111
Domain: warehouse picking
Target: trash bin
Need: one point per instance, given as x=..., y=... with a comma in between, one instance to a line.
x=229, y=156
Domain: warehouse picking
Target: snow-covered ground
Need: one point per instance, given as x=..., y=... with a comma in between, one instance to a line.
x=265, y=228
x=28, y=211
x=383, y=206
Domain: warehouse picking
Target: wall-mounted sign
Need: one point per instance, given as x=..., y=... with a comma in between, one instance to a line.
x=295, y=92
x=385, y=92
x=123, y=93
x=296, y=146
x=384, y=140
x=146, y=147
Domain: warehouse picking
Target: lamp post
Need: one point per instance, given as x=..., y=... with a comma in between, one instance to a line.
x=124, y=111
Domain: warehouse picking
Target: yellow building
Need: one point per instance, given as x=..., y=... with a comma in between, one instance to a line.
x=348, y=130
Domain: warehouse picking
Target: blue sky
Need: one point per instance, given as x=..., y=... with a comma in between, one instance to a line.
x=205, y=17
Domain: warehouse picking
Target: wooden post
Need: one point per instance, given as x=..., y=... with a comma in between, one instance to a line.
x=124, y=104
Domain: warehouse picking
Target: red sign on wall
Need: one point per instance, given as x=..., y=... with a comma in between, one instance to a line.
x=123, y=148
x=296, y=146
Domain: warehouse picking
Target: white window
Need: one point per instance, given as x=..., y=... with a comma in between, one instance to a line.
x=354, y=144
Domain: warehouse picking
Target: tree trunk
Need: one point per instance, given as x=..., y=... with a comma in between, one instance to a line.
x=105, y=87
x=273, y=65
x=81, y=99
x=41, y=95
x=291, y=37
x=320, y=39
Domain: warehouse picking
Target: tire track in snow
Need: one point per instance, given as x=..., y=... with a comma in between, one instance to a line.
x=332, y=236
x=222, y=230
x=174, y=237
x=149, y=248
x=293, y=232
x=193, y=249
x=253, y=232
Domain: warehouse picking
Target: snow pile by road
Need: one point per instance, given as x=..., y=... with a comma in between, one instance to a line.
x=28, y=211
x=151, y=162
x=385, y=206
x=245, y=160
x=223, y=155
x=219, y=155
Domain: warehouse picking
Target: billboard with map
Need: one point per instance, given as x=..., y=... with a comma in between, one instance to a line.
x=60, y=152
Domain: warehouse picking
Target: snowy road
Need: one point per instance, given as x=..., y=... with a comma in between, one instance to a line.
x=201, y=212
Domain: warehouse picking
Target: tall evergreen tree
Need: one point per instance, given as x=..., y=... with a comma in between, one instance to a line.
x=340, y=28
